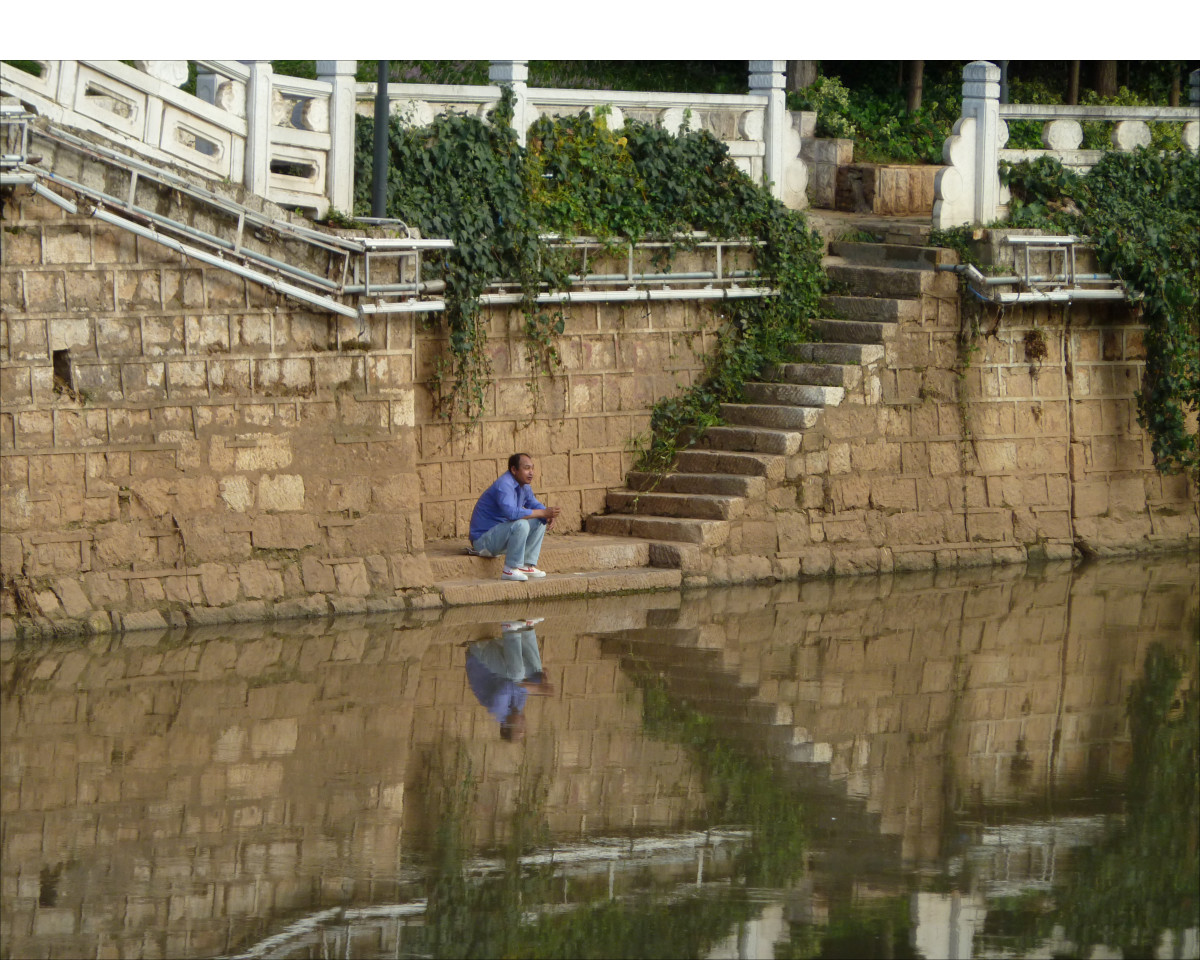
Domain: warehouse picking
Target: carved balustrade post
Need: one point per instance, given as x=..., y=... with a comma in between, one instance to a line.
x=769, y=77
x=339, y=180
x=981, y=100
x=515, y=73
x=256, y=174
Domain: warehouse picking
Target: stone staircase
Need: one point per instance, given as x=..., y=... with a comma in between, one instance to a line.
x=741, y=471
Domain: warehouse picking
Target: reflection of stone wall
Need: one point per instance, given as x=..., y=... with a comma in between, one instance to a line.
x=158, y=796
x=166, y=798
x=933, y=693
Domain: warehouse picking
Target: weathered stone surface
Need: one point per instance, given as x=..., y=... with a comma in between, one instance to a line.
x=281, y=492
x=258, y=582
x=219, y=585
x=143, y=620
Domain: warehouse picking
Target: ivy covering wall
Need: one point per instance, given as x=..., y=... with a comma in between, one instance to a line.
x=469, y=179
x=1141, y=210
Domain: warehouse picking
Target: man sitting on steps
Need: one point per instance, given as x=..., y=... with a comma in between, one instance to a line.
x=508, y=519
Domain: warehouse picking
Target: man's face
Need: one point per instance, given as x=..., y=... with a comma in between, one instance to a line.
x=524, y=471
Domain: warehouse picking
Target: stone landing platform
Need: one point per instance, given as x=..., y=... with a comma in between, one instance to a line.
x=575, y=565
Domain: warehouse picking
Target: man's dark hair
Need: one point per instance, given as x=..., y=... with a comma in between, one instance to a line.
x=515, y=460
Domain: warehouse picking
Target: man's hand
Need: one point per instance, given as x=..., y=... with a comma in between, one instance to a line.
x=550, y=514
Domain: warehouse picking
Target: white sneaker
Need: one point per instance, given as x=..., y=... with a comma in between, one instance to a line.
x=513, y=575
x=533, y=572
x=479, y=553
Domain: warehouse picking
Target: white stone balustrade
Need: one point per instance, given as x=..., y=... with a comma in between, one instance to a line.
x=968, y=191
x=292, y=140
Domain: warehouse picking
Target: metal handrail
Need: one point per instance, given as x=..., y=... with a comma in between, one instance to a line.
x=351, y=276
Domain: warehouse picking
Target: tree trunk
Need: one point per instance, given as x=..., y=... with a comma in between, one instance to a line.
x=916, y=76
x=801, y=74
x=1176, y=83
x=1104, y=79
x=1073, y=82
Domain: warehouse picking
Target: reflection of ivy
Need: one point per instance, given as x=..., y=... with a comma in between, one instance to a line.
x=742, y=788
x=1141, y=880
x=859, y=928
x=489, y=916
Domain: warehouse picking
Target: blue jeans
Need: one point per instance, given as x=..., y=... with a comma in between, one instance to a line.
x=514, y=655
x=519, y=540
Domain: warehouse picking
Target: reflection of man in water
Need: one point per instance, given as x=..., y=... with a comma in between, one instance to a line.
x=503, y=672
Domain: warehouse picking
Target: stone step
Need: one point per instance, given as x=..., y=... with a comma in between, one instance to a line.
x=449, y=560
x=893, y=254
x=743, y=463
x=721, y=484
x=869, y=280
x=854, y=331
x=870, y=309
x=795, y=394
x=818, y=374
x=785, y=443
x=580, y=583
x=837, y=353
x=772, y=415
x=700, y=505
x=709, y=533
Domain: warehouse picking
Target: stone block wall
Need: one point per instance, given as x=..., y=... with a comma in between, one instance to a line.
x=1023, y=446
x=617, y=361
x=823, y=157
x=892, y=190
x=176, y=441
x=173, y=437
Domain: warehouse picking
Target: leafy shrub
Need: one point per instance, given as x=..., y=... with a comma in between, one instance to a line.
x=882, y=129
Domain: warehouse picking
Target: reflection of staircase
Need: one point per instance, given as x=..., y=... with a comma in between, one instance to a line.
x=698, y=668
x=745, y=468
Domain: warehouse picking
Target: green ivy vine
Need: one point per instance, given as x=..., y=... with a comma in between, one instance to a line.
x=470, y=180
x=1141, y=210
x=464, y=178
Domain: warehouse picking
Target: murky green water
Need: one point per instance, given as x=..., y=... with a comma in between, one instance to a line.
x=988, y=763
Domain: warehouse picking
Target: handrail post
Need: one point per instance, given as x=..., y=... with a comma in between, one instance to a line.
x=769, y=77
x=981, y=100
x=206, y=85
x=258, y=127
x=1194, y=88
x=339, y=179
x=515, y=73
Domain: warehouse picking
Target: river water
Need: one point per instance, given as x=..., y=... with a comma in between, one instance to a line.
x=995, y=762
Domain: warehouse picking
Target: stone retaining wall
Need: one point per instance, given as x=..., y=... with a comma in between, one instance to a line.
x=177, y=444
x=1025, y=447
x=175, y=441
